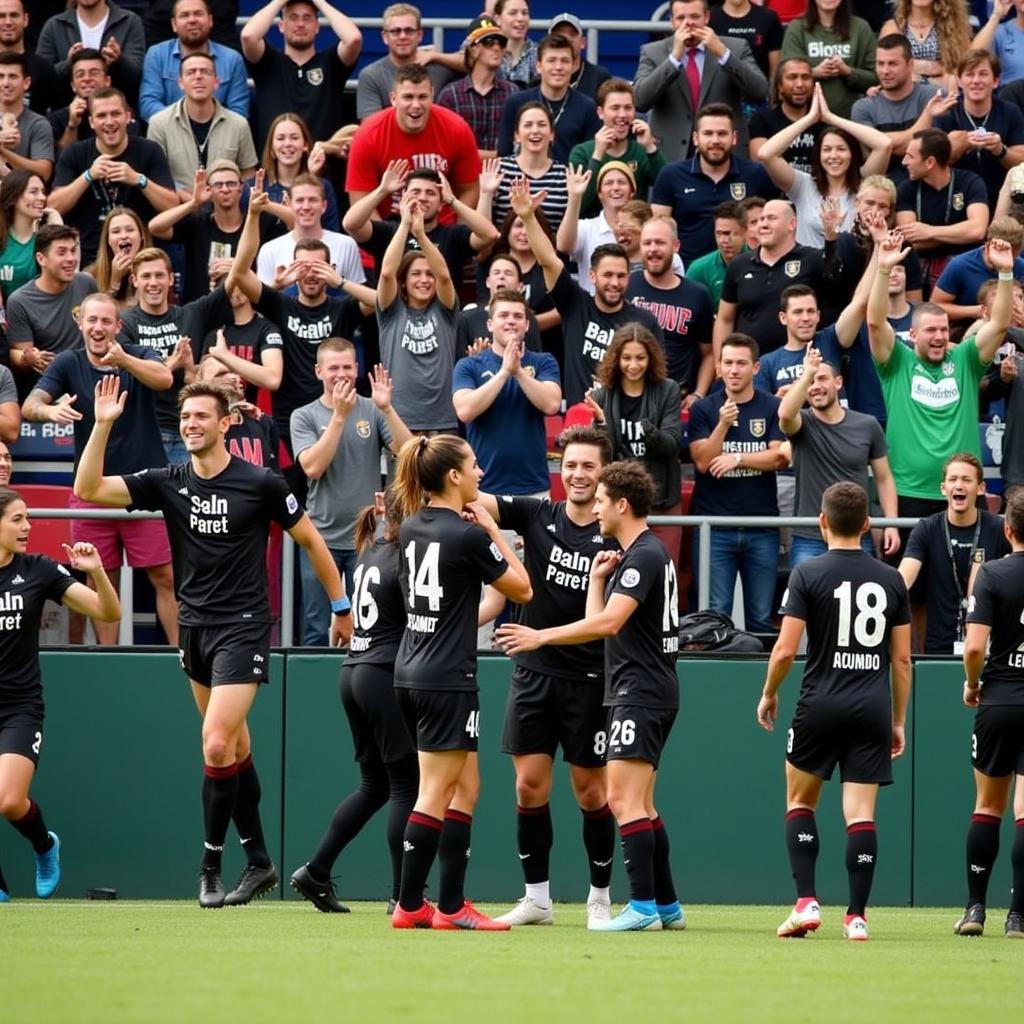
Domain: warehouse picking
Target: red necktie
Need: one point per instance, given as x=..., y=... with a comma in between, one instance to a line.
x=693, y=78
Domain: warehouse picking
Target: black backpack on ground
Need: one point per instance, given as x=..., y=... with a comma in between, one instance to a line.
x=714, y=631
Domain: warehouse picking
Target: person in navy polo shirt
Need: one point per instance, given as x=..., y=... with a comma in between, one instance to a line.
x=689, y=190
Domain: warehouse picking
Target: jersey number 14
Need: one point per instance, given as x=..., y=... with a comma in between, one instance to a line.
x=425, y=577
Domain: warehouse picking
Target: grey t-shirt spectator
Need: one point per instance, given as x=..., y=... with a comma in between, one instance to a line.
x=825, y=453
x=36, y=137
x=893, y=116
x=377, y=80
x=8, y=389
x=354, y=473
x=50, y=322
x=418, y=348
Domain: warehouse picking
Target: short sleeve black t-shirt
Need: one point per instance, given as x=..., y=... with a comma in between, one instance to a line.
x=255, y=441
x=134, y=441
x=588, y=333
x=160, y=333
x=302, y=329
x=767, y=121
x=998, y=601
x=247, y=341
x=27, y=582
x=444, y=561
x=850, y=601
x=557, y=554
x=100, y=198
x=1005, y=120
x=927, y=544
x=453, y=240
x=218, y=530
x=760, y=28
x=685, y=316
x=378, y=606
x=943, y=206
x=640, y=660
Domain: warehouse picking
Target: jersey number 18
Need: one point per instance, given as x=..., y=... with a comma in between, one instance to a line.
x=869, y=622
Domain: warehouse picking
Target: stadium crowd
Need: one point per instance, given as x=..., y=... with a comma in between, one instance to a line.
x=694, y=246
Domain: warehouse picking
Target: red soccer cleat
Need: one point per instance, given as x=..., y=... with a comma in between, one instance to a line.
x=420, y=918
x=467, y=918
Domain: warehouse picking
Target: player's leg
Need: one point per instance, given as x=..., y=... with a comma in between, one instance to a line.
x=590, y=787
x=861, y=853
x=1015, y=918
x=802, y=792
x=454, y=846
x=669, y=910
x=18, y=754
x=403, y=781
x=982, y=847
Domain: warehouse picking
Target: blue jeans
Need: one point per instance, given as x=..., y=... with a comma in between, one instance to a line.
x=802, y=548
x=754, y=554
x=316, y=606
x=174, y=447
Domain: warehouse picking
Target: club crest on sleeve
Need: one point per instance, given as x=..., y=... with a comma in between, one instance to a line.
x=291, y=503
x=630, y=578
x=494, y=551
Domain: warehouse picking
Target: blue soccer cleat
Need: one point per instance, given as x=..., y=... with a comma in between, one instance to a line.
x=673, y=917
x=48, y=869
x=630, y=920
x=4, y=898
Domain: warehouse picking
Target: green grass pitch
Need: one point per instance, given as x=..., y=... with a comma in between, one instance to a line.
x=64, y=962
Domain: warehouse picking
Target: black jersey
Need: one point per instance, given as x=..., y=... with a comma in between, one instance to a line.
x=218, y=531
x=850, y=602
x=378, y=606
x=444, y=560
x=557, y=555
x=255, y=441
x=26, y=583
x=640, y=660
x=997, y=600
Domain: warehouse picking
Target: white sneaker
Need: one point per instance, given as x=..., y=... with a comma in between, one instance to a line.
x=598, y=911
x=528, y=912
x=800, y=922
x=856, y=929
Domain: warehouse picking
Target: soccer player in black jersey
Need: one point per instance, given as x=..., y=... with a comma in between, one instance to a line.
x=448, y=546
x=632, y=602
x=218, y=511
x=26, y=583
x=383, y=746
x=857, y=617
x=995, y=686
x=556, y=696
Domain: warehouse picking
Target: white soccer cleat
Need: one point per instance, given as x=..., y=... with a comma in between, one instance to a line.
x=528, y=912
x=598, y=911
x=855, y=928
x=800, y=922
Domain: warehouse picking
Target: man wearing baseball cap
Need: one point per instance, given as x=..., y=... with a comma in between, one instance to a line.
x=586, y=77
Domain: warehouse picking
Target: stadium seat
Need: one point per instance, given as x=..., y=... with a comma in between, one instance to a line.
x=48, y=534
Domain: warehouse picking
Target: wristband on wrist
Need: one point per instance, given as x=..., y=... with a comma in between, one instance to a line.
x=88, y=175
x=1005, y=275
x=341, y=606
x=884, y=271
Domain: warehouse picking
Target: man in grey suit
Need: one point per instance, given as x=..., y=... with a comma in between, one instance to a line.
x=690, y=69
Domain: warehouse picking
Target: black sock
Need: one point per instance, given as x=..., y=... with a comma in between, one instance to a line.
x=403, y=780
x=3, y=883
x=33, y=828
x=599, y=841
x=349, y=818
x=220, y=793
x=638, y=854
x=982, y=849
x=534, y=837
x=861, y=855
x=664, y=887
x=453, y=856
x=802, y=845
x=246, y=815
x=419, y=848
x=1017, y=861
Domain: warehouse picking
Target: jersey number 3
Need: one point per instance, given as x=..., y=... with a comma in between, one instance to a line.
x=425, y=577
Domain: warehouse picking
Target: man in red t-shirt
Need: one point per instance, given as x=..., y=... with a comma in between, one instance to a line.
x=414, y=129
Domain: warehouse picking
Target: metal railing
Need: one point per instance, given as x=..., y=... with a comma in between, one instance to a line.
x=704, y=525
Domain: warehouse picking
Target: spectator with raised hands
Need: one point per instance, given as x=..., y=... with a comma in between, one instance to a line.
x=124, y=235
x=826, y=193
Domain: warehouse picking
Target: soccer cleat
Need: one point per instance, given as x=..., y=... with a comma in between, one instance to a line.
x=211, y=889
x=1014, y=925
x=253, y=883
x=467, y=918
x=973, y=921
x=391, y=907
x=598, y=911
x=855, y=928
x=4, y=897
x=528, y=912
x=801, y=920
x=321, y=894
x=421, y=918
x=48, y=869
x=629, y=920
x=673, y=918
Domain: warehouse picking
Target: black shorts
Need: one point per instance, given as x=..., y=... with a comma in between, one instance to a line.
x=441, y=719
x=21, y=732
x=860, y=741
x=638, y=733
x=379, y=732
x=543, y=712
x=997, y=743
x=237, y=652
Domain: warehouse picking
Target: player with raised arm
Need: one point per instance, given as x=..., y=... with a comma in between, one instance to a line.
x=857, y=617
x=27, y=582
x=556, y=696
x=633, y=604
x=218, y=511
x=448, y=546
x=383, y=746
x=994, y=685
